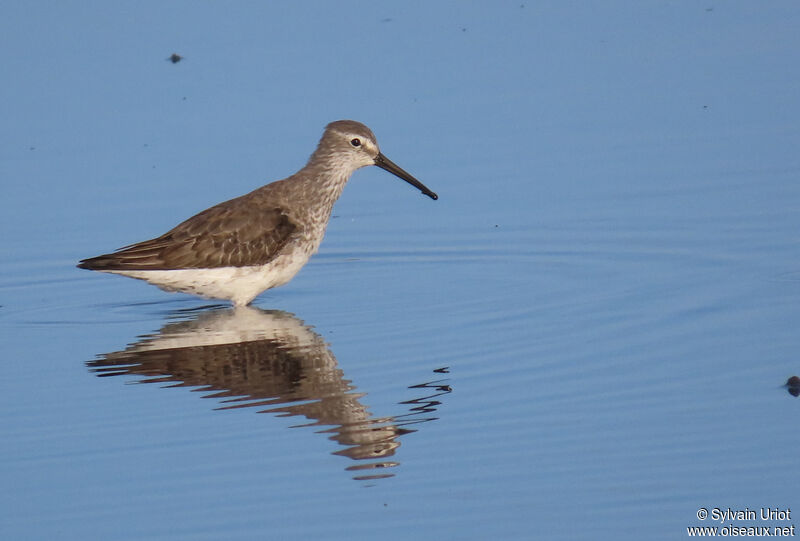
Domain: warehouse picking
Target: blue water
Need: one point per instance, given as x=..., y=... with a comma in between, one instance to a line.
x=586, y=337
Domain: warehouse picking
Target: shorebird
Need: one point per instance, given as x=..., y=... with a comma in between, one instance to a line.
x=239, y=248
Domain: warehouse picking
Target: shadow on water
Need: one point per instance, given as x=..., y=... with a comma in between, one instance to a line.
x=253, y=358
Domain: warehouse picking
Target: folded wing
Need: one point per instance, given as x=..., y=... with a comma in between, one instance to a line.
x=222, y=236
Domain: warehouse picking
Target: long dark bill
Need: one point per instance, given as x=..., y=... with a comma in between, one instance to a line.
x=388, y=165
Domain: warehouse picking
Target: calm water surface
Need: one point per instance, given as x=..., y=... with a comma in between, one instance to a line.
x=586, y=337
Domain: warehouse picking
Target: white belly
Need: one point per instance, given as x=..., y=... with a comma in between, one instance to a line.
x=237, y=284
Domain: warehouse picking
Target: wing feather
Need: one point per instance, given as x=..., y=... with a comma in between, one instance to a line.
x=229, y=234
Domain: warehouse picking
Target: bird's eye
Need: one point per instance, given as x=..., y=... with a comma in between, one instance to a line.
x=355, y=142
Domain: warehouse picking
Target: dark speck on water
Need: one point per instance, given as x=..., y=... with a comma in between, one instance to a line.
x=793, y=384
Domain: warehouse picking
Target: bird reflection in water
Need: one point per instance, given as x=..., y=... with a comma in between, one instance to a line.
x=248, y=357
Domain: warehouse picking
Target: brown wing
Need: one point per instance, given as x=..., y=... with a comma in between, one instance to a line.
x=228, y=234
